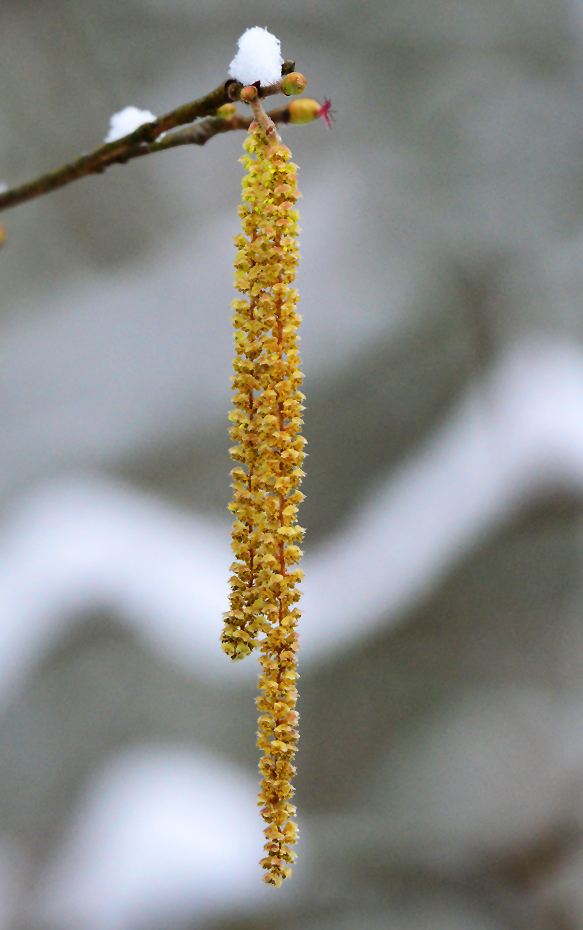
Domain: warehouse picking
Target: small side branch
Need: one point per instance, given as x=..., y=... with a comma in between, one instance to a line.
x=206, y=129
x=145, y=140
x=265, y=121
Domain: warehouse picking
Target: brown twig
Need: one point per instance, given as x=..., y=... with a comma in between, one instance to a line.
x=206, y=129
x=264, y=120
x=145, y=140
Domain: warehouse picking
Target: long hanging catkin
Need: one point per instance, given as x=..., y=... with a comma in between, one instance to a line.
x=269, y=453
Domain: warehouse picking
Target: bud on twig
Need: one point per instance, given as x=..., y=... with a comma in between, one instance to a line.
x=248, y=94
x=226, y=111
x=304, y=111
x=294, y=83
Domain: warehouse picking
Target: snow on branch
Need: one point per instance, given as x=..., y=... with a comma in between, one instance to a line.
x=126, y=121
x=258, y=59
x=146, y=138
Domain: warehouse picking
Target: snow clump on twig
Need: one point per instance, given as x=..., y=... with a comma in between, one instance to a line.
x=258, y=59
x=124, y=122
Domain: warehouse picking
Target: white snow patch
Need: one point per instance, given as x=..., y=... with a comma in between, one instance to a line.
x=516, y=434
x=160, y=831
x=124, y=122
x=258, y=59
x=83, y=542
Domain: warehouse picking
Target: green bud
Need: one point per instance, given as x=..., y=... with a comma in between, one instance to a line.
x=303, y=111
x=227, y=111
x=293, y=83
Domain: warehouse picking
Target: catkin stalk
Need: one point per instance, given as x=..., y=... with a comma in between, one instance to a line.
x=269, y=454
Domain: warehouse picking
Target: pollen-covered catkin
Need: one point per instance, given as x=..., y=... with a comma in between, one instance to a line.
x=269, y=454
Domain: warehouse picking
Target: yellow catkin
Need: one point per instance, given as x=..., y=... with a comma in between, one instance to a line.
x=269, y=454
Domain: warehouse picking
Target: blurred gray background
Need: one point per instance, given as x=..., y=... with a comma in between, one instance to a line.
x=440, y=780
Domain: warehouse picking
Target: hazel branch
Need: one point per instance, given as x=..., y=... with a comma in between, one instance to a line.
x=145, y=140
x=201, y=132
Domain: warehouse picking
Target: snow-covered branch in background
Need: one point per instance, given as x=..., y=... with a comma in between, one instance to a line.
x=517, y=434
x=91, y=541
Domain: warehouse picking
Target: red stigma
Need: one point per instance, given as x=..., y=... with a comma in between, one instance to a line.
x=326, y=112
